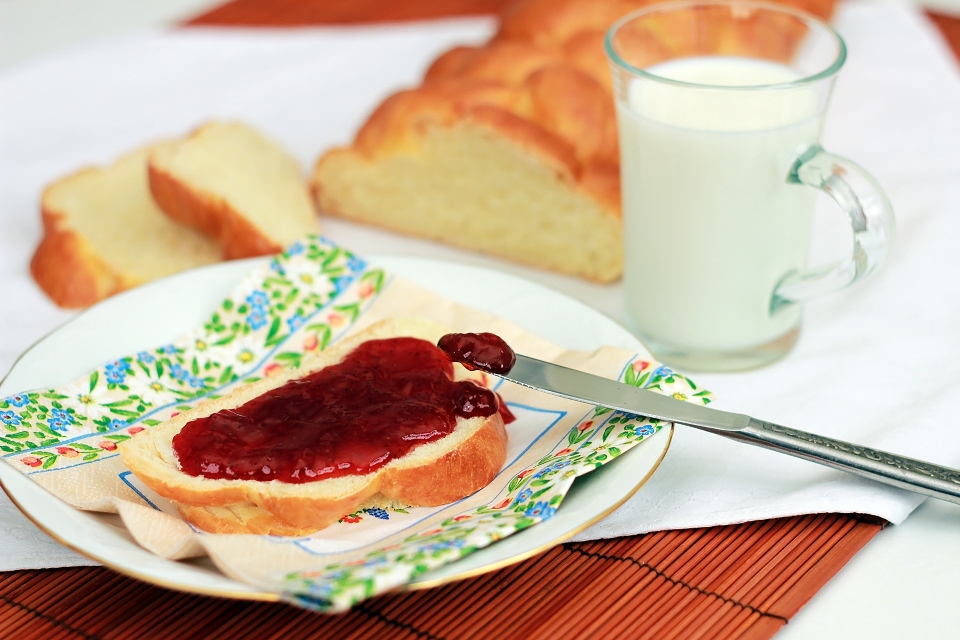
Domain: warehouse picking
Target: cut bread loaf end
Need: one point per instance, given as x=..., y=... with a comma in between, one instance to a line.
x=432, y=474
x=511, y=148
x=103, y=233
x=484, y=184
x=507, y=149
x=233, y=183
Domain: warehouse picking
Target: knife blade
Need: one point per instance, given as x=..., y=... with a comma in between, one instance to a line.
x=889, y=468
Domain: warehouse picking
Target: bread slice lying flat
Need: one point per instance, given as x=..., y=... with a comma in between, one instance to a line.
x=231, y=182
x=435, y=473
x=103, y=233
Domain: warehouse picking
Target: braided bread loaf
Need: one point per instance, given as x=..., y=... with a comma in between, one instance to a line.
x=509, y=149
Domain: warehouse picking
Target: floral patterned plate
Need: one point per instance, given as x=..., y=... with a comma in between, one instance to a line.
x=156, y=313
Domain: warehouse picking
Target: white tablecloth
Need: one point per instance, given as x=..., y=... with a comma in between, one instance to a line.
x=875, y=364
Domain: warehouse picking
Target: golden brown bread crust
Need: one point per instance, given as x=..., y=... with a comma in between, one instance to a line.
x=240, y=518
x=435, y=473
x=543, y=83
x=68, y=270
x=558, y=112
x=243, y=508
x=506, y=62
x=210, y=214
x=472, y=465
x=551, y=23
x=555, y=112
x=249, y=509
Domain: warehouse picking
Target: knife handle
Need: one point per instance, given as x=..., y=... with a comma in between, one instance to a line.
x=899, y=471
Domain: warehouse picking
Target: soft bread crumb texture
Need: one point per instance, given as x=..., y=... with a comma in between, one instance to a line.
x=432, y=474
x=104, y=233
x=542, y=87
x=234, y=183
x=470, y=187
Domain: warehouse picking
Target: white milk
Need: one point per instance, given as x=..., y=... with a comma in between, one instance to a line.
x=711, y=224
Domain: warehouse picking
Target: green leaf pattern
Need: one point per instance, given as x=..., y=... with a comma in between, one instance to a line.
x=301, y=301
x=529, y=497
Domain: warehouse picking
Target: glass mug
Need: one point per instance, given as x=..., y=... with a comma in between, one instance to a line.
x=720, y=107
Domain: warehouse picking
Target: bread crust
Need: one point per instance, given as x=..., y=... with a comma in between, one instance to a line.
x=67, y=268
x=452, y=467
x=103, y=233
x=543, y=83
x=235, y=184
x=594, y=255
x=473, y=464
x=210, y=214
x=550, y=112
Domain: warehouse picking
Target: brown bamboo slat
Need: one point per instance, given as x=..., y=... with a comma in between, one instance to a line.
x=738, y=581
x=949, y=27
x=292, y=13
x=297, y=13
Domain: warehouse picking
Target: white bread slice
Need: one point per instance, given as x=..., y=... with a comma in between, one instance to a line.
x=432, y=474
x=103, y=233
x=231, y=182
x=473, y=186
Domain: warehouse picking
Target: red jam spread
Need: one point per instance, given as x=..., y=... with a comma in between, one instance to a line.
x=385, y=398
x=505, y=414
x=484, y=351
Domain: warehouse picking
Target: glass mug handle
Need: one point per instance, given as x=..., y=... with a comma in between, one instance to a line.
x=870, y=215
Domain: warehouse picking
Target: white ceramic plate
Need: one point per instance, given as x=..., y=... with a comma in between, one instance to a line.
x=161, y=311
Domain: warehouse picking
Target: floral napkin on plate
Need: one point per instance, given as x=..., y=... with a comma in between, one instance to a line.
x=313, y=294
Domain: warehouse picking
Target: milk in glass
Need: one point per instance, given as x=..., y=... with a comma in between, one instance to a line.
x=711, y=223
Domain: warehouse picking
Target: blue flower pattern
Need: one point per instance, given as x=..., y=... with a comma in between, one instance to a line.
x=182, y=375
x=257, y=318
x=341, y=283
x=258, y=301
x=178, y=372
x=662, y=371
x=523, y=496
x=295, y=322
x=19, y=400
x=541, y=509
x=59, y=419
x=116, y=372
x=356, y=264
x=261, y=314
x=443, y=545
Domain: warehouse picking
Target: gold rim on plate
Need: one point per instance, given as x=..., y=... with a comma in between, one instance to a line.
x=263, y=596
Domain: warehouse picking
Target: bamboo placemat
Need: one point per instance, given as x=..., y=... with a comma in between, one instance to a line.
x=292, y=13
x=739, y=581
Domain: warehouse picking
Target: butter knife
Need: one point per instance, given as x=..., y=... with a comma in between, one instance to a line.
x=888, y=468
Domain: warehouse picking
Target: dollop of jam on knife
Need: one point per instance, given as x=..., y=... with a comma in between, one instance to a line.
x=484, y=351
